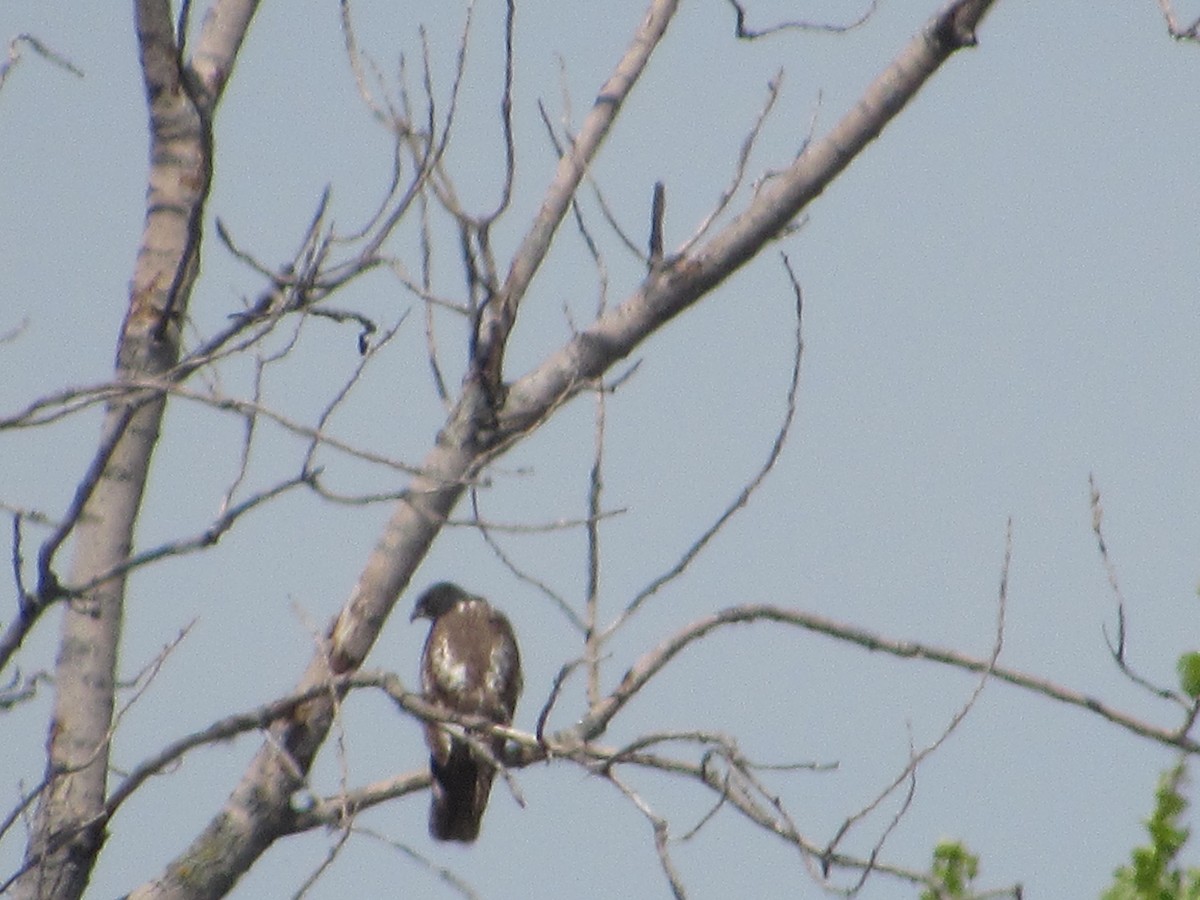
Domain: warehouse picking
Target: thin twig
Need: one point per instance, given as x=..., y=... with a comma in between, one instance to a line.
x=605, y=210
x=534, y=527
x=519, y=573
x=658, y=211
x=744, y=495
x=442, y=872
x=909, y=772
x=499, y=316
x=1118, y=650
x=592, y=599
x=506, y=105
x=18, y=566
x=115, y=426
x=366, y=355
x=552, y=698
x=661, y=834
x=739, y=171
x=183, y=546
x=38, y=47
x=797, y=25
x=331, y=854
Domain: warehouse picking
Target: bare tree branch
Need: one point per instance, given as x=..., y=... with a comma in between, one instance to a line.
x=485, y=531
x=1174, y=28
x=605, y=209
x=666, y=293
x=592, y=574
x=739, y=172
x=38, y=47
x=20, y=689
x=661, y=834
x=1118, y=650
x=799, y=25
x=499, y=316
x=751, y=486
x=652, y=662
x=444, y=874
x=916, y=758
x=506, y=103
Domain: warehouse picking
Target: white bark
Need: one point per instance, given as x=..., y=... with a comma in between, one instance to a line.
x=69, y=826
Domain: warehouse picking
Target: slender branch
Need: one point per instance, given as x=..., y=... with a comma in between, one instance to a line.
x=605, y=209
x=20, y=689
x=592, y=599
x=183, y=546
x=38, y=47
x=427, y=151
x=249, y=408
x=747, y=491
x=1118, y=650
x=916, y=758
x=330, y=855
x=499, y=316
x=506, y=124
x=739, y=171
x=798, y=25
x=556, y=687
x=653, y=662
x=48, y=586
x=443, y=873
x=485, y=531
x=367, y=354
x=661, y=834
x=738, y=789
x=18, y=568
x=333, y=811
x=477, y=521
x=658, y=210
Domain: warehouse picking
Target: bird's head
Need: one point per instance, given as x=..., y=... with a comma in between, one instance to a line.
x=437, y=600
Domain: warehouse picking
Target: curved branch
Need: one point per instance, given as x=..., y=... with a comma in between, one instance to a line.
x=38, y=47
x=744, y=495
x=652, y=663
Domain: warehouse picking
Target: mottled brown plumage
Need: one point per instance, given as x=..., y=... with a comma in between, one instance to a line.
x=472, y=666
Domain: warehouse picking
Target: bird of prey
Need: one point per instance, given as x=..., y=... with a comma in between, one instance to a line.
x=470, y=665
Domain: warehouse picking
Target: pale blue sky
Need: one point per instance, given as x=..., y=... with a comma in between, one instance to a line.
x=1000, y=299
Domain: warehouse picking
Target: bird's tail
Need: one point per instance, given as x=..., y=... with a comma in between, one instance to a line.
x=460, y=794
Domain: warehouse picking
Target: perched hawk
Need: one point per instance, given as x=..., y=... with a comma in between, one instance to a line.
x=471, y=665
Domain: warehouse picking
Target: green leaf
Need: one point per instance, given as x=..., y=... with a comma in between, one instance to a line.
x=1154, y=873
x=1188, y=667
x=954, y=868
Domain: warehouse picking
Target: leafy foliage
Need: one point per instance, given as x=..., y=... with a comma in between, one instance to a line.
x=954, y=868
x=1153, y=873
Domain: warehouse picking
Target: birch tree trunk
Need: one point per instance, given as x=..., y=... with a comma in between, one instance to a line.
x=69, y=826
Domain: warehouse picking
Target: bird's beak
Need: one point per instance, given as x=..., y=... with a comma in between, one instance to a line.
x=416, y=614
